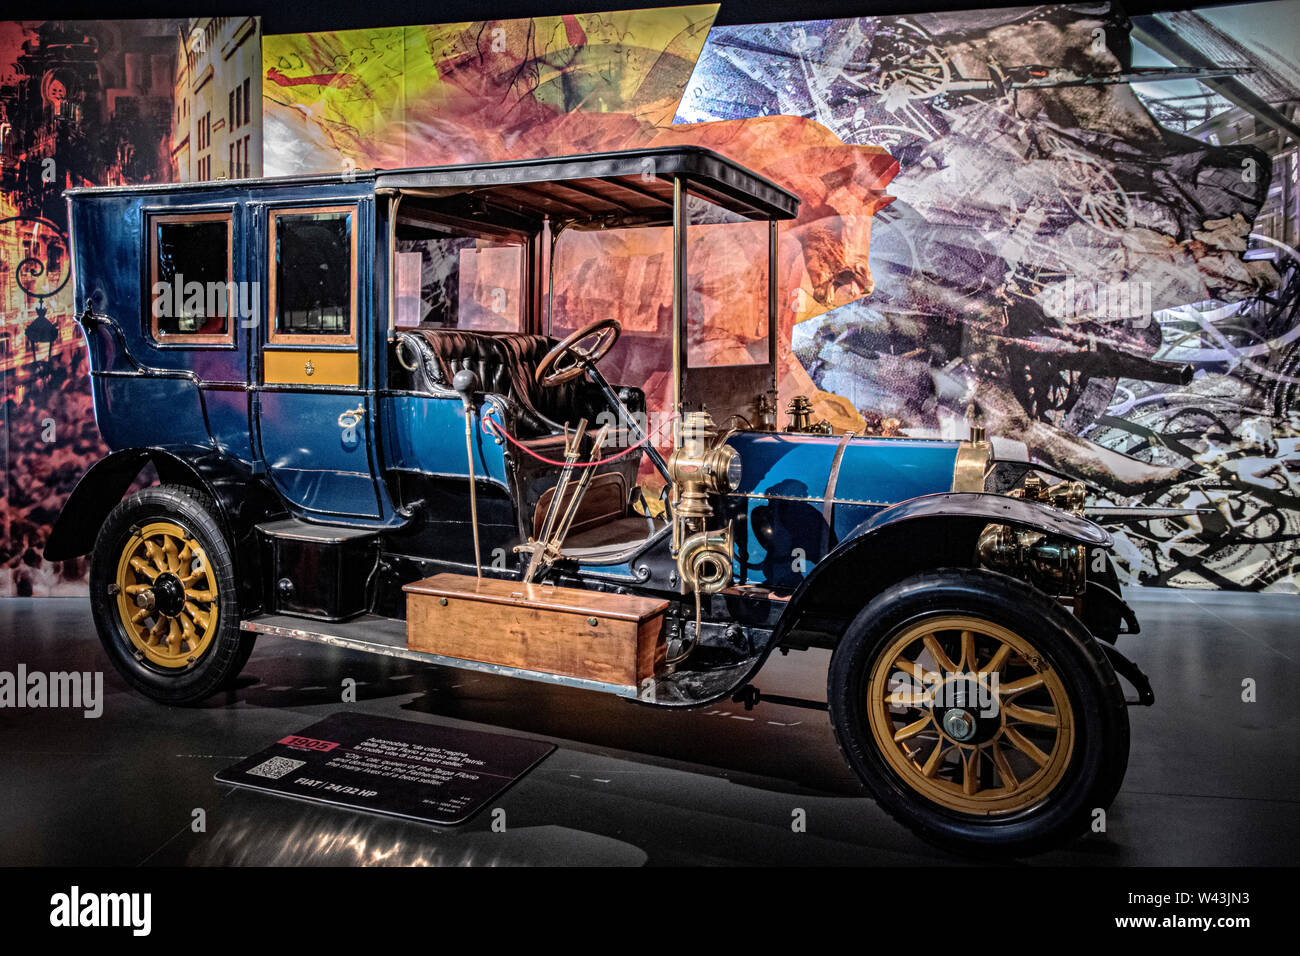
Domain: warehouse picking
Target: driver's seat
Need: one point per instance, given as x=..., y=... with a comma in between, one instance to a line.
x=506, y=364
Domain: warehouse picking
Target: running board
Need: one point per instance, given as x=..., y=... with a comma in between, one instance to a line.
x=373, y=634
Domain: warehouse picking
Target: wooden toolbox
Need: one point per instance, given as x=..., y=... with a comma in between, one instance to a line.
x=612, y=638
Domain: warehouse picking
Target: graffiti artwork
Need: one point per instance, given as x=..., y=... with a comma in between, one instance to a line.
x=1061, y=264
x=80, y=104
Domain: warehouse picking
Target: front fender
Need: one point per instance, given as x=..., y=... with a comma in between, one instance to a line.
x=983, y=508
x=932, y=531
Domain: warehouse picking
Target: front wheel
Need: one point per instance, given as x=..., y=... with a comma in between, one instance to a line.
x=163, y=594
x=979, y=713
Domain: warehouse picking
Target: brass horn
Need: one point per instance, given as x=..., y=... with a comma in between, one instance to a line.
x=704, y=561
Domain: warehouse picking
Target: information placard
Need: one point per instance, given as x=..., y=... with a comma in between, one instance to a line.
x=426, y=772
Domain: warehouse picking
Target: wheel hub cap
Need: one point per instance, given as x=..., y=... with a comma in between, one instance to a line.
x=967, y=710
x=959, y=725
x=169, y=594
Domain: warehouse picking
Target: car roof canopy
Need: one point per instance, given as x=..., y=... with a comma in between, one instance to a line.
x=631, y=187
x=595, y=190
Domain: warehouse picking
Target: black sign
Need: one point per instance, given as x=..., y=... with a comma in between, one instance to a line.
x=419, y=771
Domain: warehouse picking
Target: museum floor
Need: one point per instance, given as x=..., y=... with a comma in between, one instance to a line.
x=1211, y=780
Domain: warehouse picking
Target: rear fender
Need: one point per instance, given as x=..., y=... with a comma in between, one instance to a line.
x=104, y=485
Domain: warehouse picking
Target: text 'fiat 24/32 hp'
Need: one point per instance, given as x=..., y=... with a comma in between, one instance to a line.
x=376, y=409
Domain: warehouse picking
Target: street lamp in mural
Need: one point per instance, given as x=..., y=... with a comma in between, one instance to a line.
x=41, y=274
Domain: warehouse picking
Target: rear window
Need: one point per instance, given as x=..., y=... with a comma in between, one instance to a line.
x=449, y=278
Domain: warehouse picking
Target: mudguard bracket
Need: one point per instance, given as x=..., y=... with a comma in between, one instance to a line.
x=1133, y=674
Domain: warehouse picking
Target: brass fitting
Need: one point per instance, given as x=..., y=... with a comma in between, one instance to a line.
x=1069, y=496
x=765, y=413
x=704, y=562
x=800, y=410
x=698, y=467
x=1051, y=564
x=973, y=459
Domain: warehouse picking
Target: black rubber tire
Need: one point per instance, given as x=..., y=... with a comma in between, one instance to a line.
x=1100, y=755
x=226, y=655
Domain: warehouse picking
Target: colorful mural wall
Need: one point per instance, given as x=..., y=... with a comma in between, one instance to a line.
x=1069, y=237
x=1016, y=215
x=1077, y=255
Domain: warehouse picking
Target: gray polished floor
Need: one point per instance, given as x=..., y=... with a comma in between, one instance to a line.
x=1212, y=778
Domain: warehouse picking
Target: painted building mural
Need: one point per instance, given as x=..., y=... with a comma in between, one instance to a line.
x=81, y=104
x=1075, y=228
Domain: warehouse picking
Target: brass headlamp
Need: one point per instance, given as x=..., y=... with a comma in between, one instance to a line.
x=698, y=467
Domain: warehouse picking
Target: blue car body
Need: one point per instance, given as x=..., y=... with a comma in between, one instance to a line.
x=207, y=415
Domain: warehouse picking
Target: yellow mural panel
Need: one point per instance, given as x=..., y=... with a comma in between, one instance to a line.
x=464, y=91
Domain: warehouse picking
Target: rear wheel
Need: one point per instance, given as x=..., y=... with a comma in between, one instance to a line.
x=979, y=713
x=162, y=585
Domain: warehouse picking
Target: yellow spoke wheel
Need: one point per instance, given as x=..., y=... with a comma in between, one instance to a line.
x=970, y=715
x=166, y=595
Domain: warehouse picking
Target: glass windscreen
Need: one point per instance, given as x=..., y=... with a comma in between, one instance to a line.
x=626, y=274
x=726, y=287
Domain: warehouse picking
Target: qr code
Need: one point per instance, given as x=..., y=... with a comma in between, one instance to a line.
x=276, y=767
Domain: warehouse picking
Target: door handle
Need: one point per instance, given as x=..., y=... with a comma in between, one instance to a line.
x=352, y=417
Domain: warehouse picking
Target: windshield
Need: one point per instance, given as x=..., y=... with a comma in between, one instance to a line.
x=726, y=287
x=627, y=273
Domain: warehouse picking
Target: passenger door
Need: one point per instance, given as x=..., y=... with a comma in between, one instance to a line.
x=315, y=402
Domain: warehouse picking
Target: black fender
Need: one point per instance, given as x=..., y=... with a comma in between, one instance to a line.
x=932, y=531
x=102, y=487
x=241, y=497
x=921, y=534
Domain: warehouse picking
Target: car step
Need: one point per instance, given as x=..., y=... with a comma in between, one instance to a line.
x=318, y=570
x=295, y=529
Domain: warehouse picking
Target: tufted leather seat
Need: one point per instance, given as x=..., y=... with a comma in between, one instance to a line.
x=506, y=364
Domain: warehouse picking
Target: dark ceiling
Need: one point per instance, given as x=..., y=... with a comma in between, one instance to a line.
x=281, y=17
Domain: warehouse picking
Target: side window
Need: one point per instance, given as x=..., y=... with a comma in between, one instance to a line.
x=190, y=278
x=313, y=296
x=726, y=290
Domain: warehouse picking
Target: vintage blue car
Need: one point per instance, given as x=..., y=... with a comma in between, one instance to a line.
x=377, y=407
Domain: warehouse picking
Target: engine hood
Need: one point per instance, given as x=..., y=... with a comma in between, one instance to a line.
x=873, y=471
x=798, y=494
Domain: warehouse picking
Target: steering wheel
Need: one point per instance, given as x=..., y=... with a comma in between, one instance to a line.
x=552, y=371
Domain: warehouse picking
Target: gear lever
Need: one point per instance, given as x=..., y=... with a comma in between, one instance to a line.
x=466, y=383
